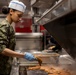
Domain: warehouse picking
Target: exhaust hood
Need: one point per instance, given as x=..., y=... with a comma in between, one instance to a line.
x=44, y=3
x=60, y=8
x=62, y=25
x=63, y=30
x=40, y=6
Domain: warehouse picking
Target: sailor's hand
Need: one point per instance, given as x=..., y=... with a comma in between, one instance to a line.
x=29, y=56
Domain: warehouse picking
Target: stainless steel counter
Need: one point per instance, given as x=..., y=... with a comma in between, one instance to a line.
x=64, y=61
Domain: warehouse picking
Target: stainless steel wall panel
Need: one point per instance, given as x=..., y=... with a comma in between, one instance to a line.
x=28, y=41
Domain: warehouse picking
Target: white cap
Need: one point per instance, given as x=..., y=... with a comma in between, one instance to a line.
x=17, y=5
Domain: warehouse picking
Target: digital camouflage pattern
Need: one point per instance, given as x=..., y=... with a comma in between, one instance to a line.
x=7, y=40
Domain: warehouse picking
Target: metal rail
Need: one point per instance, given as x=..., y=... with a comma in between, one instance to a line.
x=55, y=6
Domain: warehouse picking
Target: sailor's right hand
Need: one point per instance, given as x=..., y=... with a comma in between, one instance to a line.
x=29, y=56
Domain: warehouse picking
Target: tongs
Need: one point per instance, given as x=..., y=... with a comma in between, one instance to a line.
x=39, y=60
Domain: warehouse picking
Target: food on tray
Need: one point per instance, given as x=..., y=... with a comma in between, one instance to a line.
x=51, y=70
x=65, y=72
x=34, y=68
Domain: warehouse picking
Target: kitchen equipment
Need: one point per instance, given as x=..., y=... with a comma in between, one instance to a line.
x=62, y=25
x=63, y=30
x=28, y=41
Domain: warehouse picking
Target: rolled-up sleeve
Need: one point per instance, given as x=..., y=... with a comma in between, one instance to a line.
x=3, y=37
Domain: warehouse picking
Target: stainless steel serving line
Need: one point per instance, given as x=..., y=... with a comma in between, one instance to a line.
x=64, y=61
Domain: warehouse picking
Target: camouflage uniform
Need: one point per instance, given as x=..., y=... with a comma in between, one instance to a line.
x=7, y=40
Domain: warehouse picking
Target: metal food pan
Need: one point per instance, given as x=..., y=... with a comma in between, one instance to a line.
x=36, y=72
